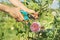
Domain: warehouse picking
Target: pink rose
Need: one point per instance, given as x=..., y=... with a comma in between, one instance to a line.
x=35, y=27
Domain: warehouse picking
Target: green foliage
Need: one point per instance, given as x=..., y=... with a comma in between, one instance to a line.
x=12, y=30
x=33, y=6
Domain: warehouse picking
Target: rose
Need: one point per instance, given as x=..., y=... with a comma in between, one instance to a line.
x=35, y=27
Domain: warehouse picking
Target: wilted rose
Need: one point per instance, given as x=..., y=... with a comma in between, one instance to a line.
x=35, y=27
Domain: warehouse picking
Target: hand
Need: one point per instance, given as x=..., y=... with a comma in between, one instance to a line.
x=13, y=11
x=16, y=14
x=23, y=7
x=30, y=11
x=33, y=13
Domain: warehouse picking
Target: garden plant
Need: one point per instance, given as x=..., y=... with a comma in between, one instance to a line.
x=48, y=22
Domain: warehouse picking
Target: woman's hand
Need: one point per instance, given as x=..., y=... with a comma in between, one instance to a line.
x=13, y=11
x=18, y=3
x=35, y=15
x=16, y=11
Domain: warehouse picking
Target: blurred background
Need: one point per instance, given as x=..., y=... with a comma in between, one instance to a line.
x=49, y=19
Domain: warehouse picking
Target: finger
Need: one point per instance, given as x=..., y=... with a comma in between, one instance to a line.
x=20, y=16
x=35, y=15
x=18, y=13
x=30, y=11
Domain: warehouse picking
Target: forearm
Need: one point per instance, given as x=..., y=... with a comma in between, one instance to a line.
x=19, y=4
x=4, y=8
x=7, y=9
